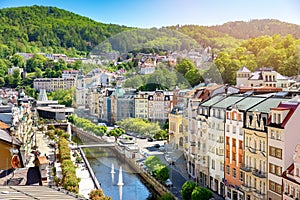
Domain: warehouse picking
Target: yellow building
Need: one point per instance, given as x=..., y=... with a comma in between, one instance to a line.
x=8, y=147
x=255, y=162
x=176, y=136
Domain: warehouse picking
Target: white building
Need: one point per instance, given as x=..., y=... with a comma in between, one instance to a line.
x=261, y=77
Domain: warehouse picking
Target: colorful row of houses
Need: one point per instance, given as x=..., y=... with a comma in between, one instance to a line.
x=239, y=145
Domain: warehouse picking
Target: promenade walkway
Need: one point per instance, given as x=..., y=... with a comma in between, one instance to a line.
x=86, y=184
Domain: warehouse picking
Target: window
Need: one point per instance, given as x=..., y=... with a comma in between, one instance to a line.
x=227, y=169
x=286, y=188
x=229, y=193
x=241, y=176
x=278, y=153
x=234, y=130
x=272, y=134
x=278, y=170
x=234, y=173
x=272, y=151
x=241, y=132
x=234, y=116
x=222, y=166
x=271, y=185
x=213, y=164
x=278, y=137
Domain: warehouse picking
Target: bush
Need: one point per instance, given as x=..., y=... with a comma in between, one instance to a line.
x=157, y=167
x=166, y=196
x=187, y=189
x=98, y=195
x=200, y=193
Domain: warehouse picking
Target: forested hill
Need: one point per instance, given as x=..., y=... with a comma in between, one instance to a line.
x=38, y=26
x=53, y=30
x=256, y=28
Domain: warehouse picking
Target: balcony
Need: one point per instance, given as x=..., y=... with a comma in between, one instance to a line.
x=259, y=173
x=259, y=194
x=245, y=187
x=246, y=168
x=251, y=150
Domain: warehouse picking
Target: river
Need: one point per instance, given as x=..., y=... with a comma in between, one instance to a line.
x=101, y=160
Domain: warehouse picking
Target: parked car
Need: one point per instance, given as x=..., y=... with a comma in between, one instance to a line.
x=156, y=145
x=169, y=183
x=150, y=139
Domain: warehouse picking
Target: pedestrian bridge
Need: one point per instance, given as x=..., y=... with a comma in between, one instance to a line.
x=93, y=145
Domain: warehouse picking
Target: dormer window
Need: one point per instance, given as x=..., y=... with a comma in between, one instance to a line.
x=274, y=118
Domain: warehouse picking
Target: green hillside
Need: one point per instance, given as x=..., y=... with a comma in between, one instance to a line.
x=256, y=28
x=28, y=29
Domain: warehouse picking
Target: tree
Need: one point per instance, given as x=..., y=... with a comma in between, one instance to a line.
x=184, y=66
x=38, y=73
x=200, y=193
x=187, y=189
x=2, y=82
x=193, y=76
x=116, y=133
x=17, y=60
x=16, y=77
x=161, y=135
x=162, y=173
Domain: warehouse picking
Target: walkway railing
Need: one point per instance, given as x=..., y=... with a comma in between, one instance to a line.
x=91, y=172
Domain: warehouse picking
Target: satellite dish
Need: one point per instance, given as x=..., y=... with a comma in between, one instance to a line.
x=15, y=161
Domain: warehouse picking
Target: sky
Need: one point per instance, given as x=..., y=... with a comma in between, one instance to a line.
x=158, y=13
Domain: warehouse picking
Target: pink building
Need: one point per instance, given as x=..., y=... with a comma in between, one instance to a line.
x=283, y=136
x=291, y=178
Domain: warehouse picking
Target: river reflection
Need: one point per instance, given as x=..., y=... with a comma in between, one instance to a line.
x=101, y=160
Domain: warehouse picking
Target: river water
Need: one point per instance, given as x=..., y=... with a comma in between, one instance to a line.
x=101, y=160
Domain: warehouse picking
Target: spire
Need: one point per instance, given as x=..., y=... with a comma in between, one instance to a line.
x=43, y=95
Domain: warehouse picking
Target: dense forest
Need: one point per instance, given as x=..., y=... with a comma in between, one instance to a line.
x=257, y=43
x=256, y=28
x=50, y=29
x=53, y=30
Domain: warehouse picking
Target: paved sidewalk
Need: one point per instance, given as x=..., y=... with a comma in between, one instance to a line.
x=86, y=183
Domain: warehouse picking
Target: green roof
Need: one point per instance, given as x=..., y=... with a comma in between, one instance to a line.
x=230, y=100
x=265, y=106
x=249, y=102
x=212, y=101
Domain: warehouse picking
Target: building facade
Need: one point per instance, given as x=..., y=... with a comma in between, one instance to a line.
x=291, y=178
x=160, y=104
x=283, y=136
x=54, y=84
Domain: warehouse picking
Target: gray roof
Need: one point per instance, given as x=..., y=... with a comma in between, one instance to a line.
x=4, y=136
x=32, y=192
x=244, y=69
x=228, y=101
x=265, y=106
x=213, y=100
x=248, y=102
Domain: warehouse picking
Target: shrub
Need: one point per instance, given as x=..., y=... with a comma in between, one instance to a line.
x=166, y=196
x=187, y=189
x=98, y=195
